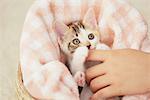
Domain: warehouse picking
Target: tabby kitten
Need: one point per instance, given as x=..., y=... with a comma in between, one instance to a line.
x=75, y=40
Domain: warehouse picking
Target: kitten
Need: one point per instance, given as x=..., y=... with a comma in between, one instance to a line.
x=75, y=40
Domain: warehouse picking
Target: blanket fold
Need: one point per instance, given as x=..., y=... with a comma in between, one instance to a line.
x=44, y=75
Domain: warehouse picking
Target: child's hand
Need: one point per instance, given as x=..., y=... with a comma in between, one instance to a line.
x=123, y=72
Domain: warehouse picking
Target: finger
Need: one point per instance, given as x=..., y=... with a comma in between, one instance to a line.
x=99, y=83
x=98, y=55
x=95, y=71
x=104, y=93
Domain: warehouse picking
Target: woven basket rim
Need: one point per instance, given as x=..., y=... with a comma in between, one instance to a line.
x=21, y=92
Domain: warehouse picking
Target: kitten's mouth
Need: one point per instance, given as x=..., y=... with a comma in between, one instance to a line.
x=92, y=48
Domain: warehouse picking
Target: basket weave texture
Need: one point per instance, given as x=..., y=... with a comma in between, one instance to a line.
x=21, y=92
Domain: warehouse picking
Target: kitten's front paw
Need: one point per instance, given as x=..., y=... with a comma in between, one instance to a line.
x=102, y=47
x=80, y=78
x=82, y=51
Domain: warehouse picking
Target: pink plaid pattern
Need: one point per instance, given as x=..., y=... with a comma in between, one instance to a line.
x=44, y=75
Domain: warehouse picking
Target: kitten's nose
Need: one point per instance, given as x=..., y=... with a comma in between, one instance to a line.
x=88, y=46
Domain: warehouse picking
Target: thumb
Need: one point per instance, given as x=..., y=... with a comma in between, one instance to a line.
x=98, y=55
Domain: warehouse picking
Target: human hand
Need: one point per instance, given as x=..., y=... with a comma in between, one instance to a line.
x=123, y=72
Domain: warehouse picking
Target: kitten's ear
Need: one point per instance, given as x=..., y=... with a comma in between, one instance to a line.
x=60, y=28
x=90, y=19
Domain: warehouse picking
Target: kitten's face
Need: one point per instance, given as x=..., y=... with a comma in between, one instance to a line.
x=78, y=33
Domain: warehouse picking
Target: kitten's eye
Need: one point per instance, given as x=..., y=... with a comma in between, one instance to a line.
x=76, y=41
x=91, y=36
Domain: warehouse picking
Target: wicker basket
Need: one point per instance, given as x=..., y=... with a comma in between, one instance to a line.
x=21, y=92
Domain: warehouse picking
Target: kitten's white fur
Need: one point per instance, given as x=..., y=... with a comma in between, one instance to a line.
x=78, y=68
